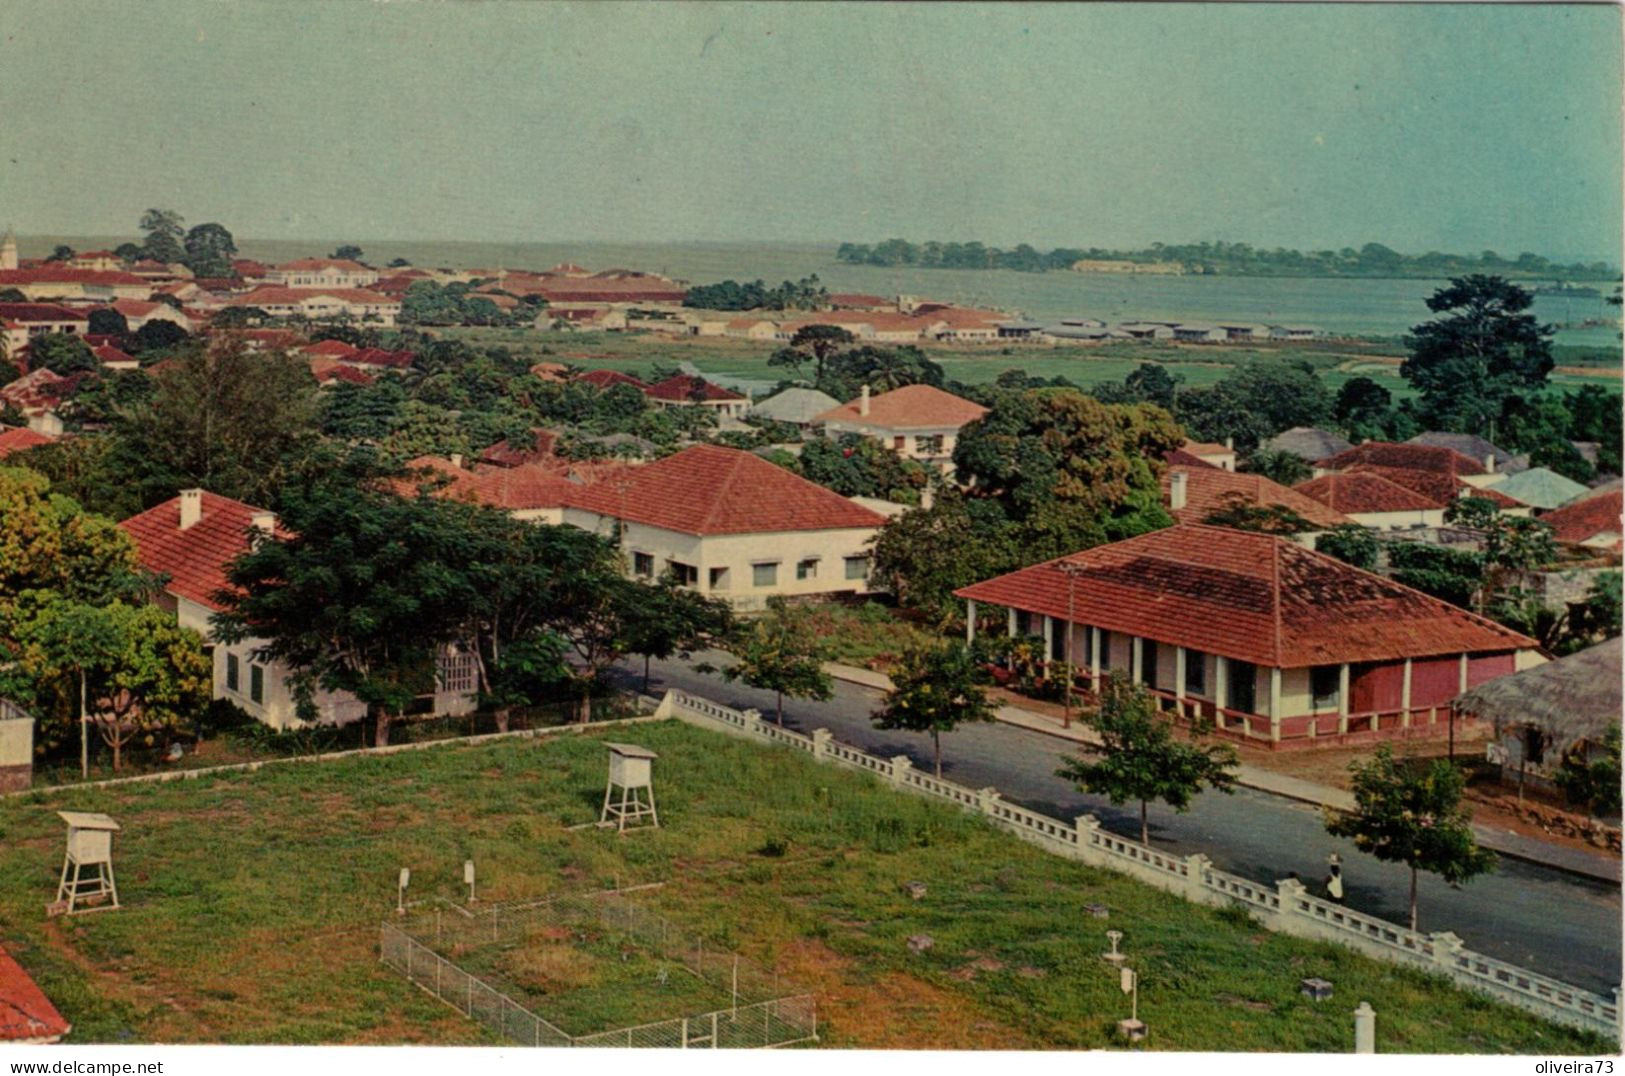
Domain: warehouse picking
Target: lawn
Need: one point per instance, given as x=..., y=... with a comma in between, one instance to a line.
x=252, y=903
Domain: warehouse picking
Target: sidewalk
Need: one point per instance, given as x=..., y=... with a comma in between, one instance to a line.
x=1589, y=864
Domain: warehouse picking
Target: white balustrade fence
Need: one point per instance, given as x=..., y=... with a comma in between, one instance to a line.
x=1285, y=907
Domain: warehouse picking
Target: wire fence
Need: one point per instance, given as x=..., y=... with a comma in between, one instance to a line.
x=759, y=1015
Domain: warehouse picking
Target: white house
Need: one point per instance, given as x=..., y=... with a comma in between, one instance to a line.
x=917, y=421
x=191, y=540
x=1374, y=501
x=322, y=273
x=322, y=304
x=731, y=525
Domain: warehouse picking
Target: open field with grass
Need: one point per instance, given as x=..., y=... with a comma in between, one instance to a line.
x=1198, y=364
x=252, y=903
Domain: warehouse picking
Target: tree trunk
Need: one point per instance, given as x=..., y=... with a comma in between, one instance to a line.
x=1145, y=828
x=586, y=704
x=778, y=714
x=380, y=733
x=503, y=713
x=118, y=759
x=646, y=674
x=1413, y=898
x=936, y=744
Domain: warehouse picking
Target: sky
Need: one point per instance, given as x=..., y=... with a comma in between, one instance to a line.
x=1452, y=127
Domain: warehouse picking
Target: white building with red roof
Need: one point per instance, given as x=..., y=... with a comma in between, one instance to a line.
x=1371, y=500
x=57, y=281
x=322, y=304
x=1194, y=492
x=1274, y=642
x=920, y=422
x=686, y=390
x=322, y=273
x=20, y=439
x=731, y=525
x=191, y=540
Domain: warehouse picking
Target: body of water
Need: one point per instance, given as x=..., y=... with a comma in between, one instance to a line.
x=1341, y=306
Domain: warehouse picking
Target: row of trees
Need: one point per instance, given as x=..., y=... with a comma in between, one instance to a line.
x=808, y=293
x=427, y=302
x=1229, y=259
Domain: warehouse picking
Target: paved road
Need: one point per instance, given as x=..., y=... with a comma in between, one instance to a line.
x=1542, y=919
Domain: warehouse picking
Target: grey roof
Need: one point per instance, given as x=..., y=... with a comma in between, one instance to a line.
x=1474, y=448
x=795, y=405
x=1075, y=332
x=1308, y=443
x=1540, y=488
x=1571, y=699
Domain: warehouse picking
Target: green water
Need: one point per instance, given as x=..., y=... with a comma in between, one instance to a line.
x=1341, y=306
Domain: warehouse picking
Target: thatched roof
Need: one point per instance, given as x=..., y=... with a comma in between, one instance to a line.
x=1571, y=699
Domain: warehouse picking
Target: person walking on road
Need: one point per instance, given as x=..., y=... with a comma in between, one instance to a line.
x=1334, y=876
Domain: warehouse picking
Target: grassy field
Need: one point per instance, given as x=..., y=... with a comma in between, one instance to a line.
x=252, y=903
x=1198, y=365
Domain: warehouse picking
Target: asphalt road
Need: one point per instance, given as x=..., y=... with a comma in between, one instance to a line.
x=1545, y=920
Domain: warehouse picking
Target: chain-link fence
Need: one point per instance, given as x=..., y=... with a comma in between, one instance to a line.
x=759, y=1013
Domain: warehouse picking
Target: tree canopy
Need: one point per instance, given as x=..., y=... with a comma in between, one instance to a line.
x=936, y=689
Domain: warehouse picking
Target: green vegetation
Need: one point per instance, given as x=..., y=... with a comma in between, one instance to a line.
x=936, y=689
x=252, y=903
x=776, y=653
x=807, y=293
x=1222, y=258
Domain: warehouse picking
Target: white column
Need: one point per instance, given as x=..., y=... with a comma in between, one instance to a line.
x=1275, y=705
x=1179, y=680
x=970, y=622
x=1221, y=688
x=1135, y=658
x=1010, y=623
x=1405, y=697
x=1462, y=680
x=1343, y=699
x=1094, y=656
x=1049, y=637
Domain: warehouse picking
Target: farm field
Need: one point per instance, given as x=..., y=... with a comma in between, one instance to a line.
x=1198, y=365
x=252, y=903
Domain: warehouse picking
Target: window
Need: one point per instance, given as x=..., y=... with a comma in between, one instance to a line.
x=807, y=568
x=1195, y=672
x=929, y=445
x=1024, y=623
x=685, y=575
x=1057, y=643
x=719, y=579
x=765, y=575
x=1324, y=681
x=233, y=674
x=1243, y=684
x=1105, y=644
x=857, y=567
x=1148, y=662
x=256, y=682
x=899, y=443
x=643, y=564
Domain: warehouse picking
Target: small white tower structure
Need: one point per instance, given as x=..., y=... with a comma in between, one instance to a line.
x=90, y=847
x=8, y=250
x=630, y=770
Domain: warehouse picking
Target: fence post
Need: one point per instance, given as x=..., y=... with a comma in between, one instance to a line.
x=713, y=1031
x=1365, y=1029
x=1290, y=891
x=1088, y=826
x=753, y=719
x=1446, y=947
x=685, y=1032
x=1196, y=891
x=900, y=765
x=820, y=739
x=986, y=798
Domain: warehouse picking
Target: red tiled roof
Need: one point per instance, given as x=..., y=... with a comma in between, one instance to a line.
x=507, y=454
x=1209, y=489
x=377, y=356
x=326, y=370
x=60, y=274
x=40, y=312
x=195, y=559
x=707, y=489
x=609, y=378
x=108, y=355
x=1360, y=492
x=336, y=349
x=1180, y=458
x=318, y=264
x=26, y=1014
x=19, y=439
x=1405, y=456
x=280, y=296
x=38, y=390
x=1438, y=486
x=513, y=489
x=681, y=387
x=1248, y=596
x=247, y=267
x=1581, y=520
x=857, y=299
x=910, y=407
x=1205, y=448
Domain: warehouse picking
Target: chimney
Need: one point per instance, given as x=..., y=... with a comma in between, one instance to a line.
x=928, y=498
x=863, y=401
x=1230, y=443
x=264, y=522
x=191, y=507
x=1489, y=463
x=1176, y=490
x=457, y=460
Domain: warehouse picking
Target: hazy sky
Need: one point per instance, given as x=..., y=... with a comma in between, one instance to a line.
x=1452, y=127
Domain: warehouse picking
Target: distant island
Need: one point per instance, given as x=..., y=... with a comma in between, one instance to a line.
x=1219, y=259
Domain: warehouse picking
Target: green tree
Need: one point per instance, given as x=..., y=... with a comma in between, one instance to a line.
x=156, y=338
x=1363, y=409
x=105, y=321
x=1139, y=758
x=1150, y=382
x=1484, y=352
x=1509, y=545
x=163, y=229
x=48, y=543
x=857, y=466
x=814, y=343
x=935, y=690
x=668, y=619
x=62, y=353
x=1284, y=467
x=925, y=554
x=1414, y=817
x=1255, y=402
x=1351, y=544
x=60, y=253
x=774, y=654
x=209, y=250
x=1593, y=780
x=349, y=252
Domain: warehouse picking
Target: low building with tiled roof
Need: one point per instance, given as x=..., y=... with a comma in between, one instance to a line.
x=138, y=312
x=797, y=406
x=731, y=525
x=322, y=304
x=109, y=357
x=1487, y=454
x=1408, y=457
x=57, y=281
x=1593, y=521
x=687, y=390
x=1442, y=487
x=846, y=300
x=1193, y=494
x=1277, y=643
x=20, y=439
x=527, y=492
x=1212, y=453
x=329, y=372
x=322, y=273
x=604, y=379
x=331, y=349
x=920, y=422
x=1538, y=487
x=27, y=1016
x=512, y=452
x=1371, y=500
x=38, y=394
x=1308, y=443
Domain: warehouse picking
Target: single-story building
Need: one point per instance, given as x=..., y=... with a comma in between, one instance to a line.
x=686, y=390
x=1214, y=455
x=920, y=422
x=1271, y=641
x=731, y=525
x=797, y=406
x=1539, y=487
x=1193, y=493
x=1308, y=443
x=1592, y=521
x=1371, y=500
